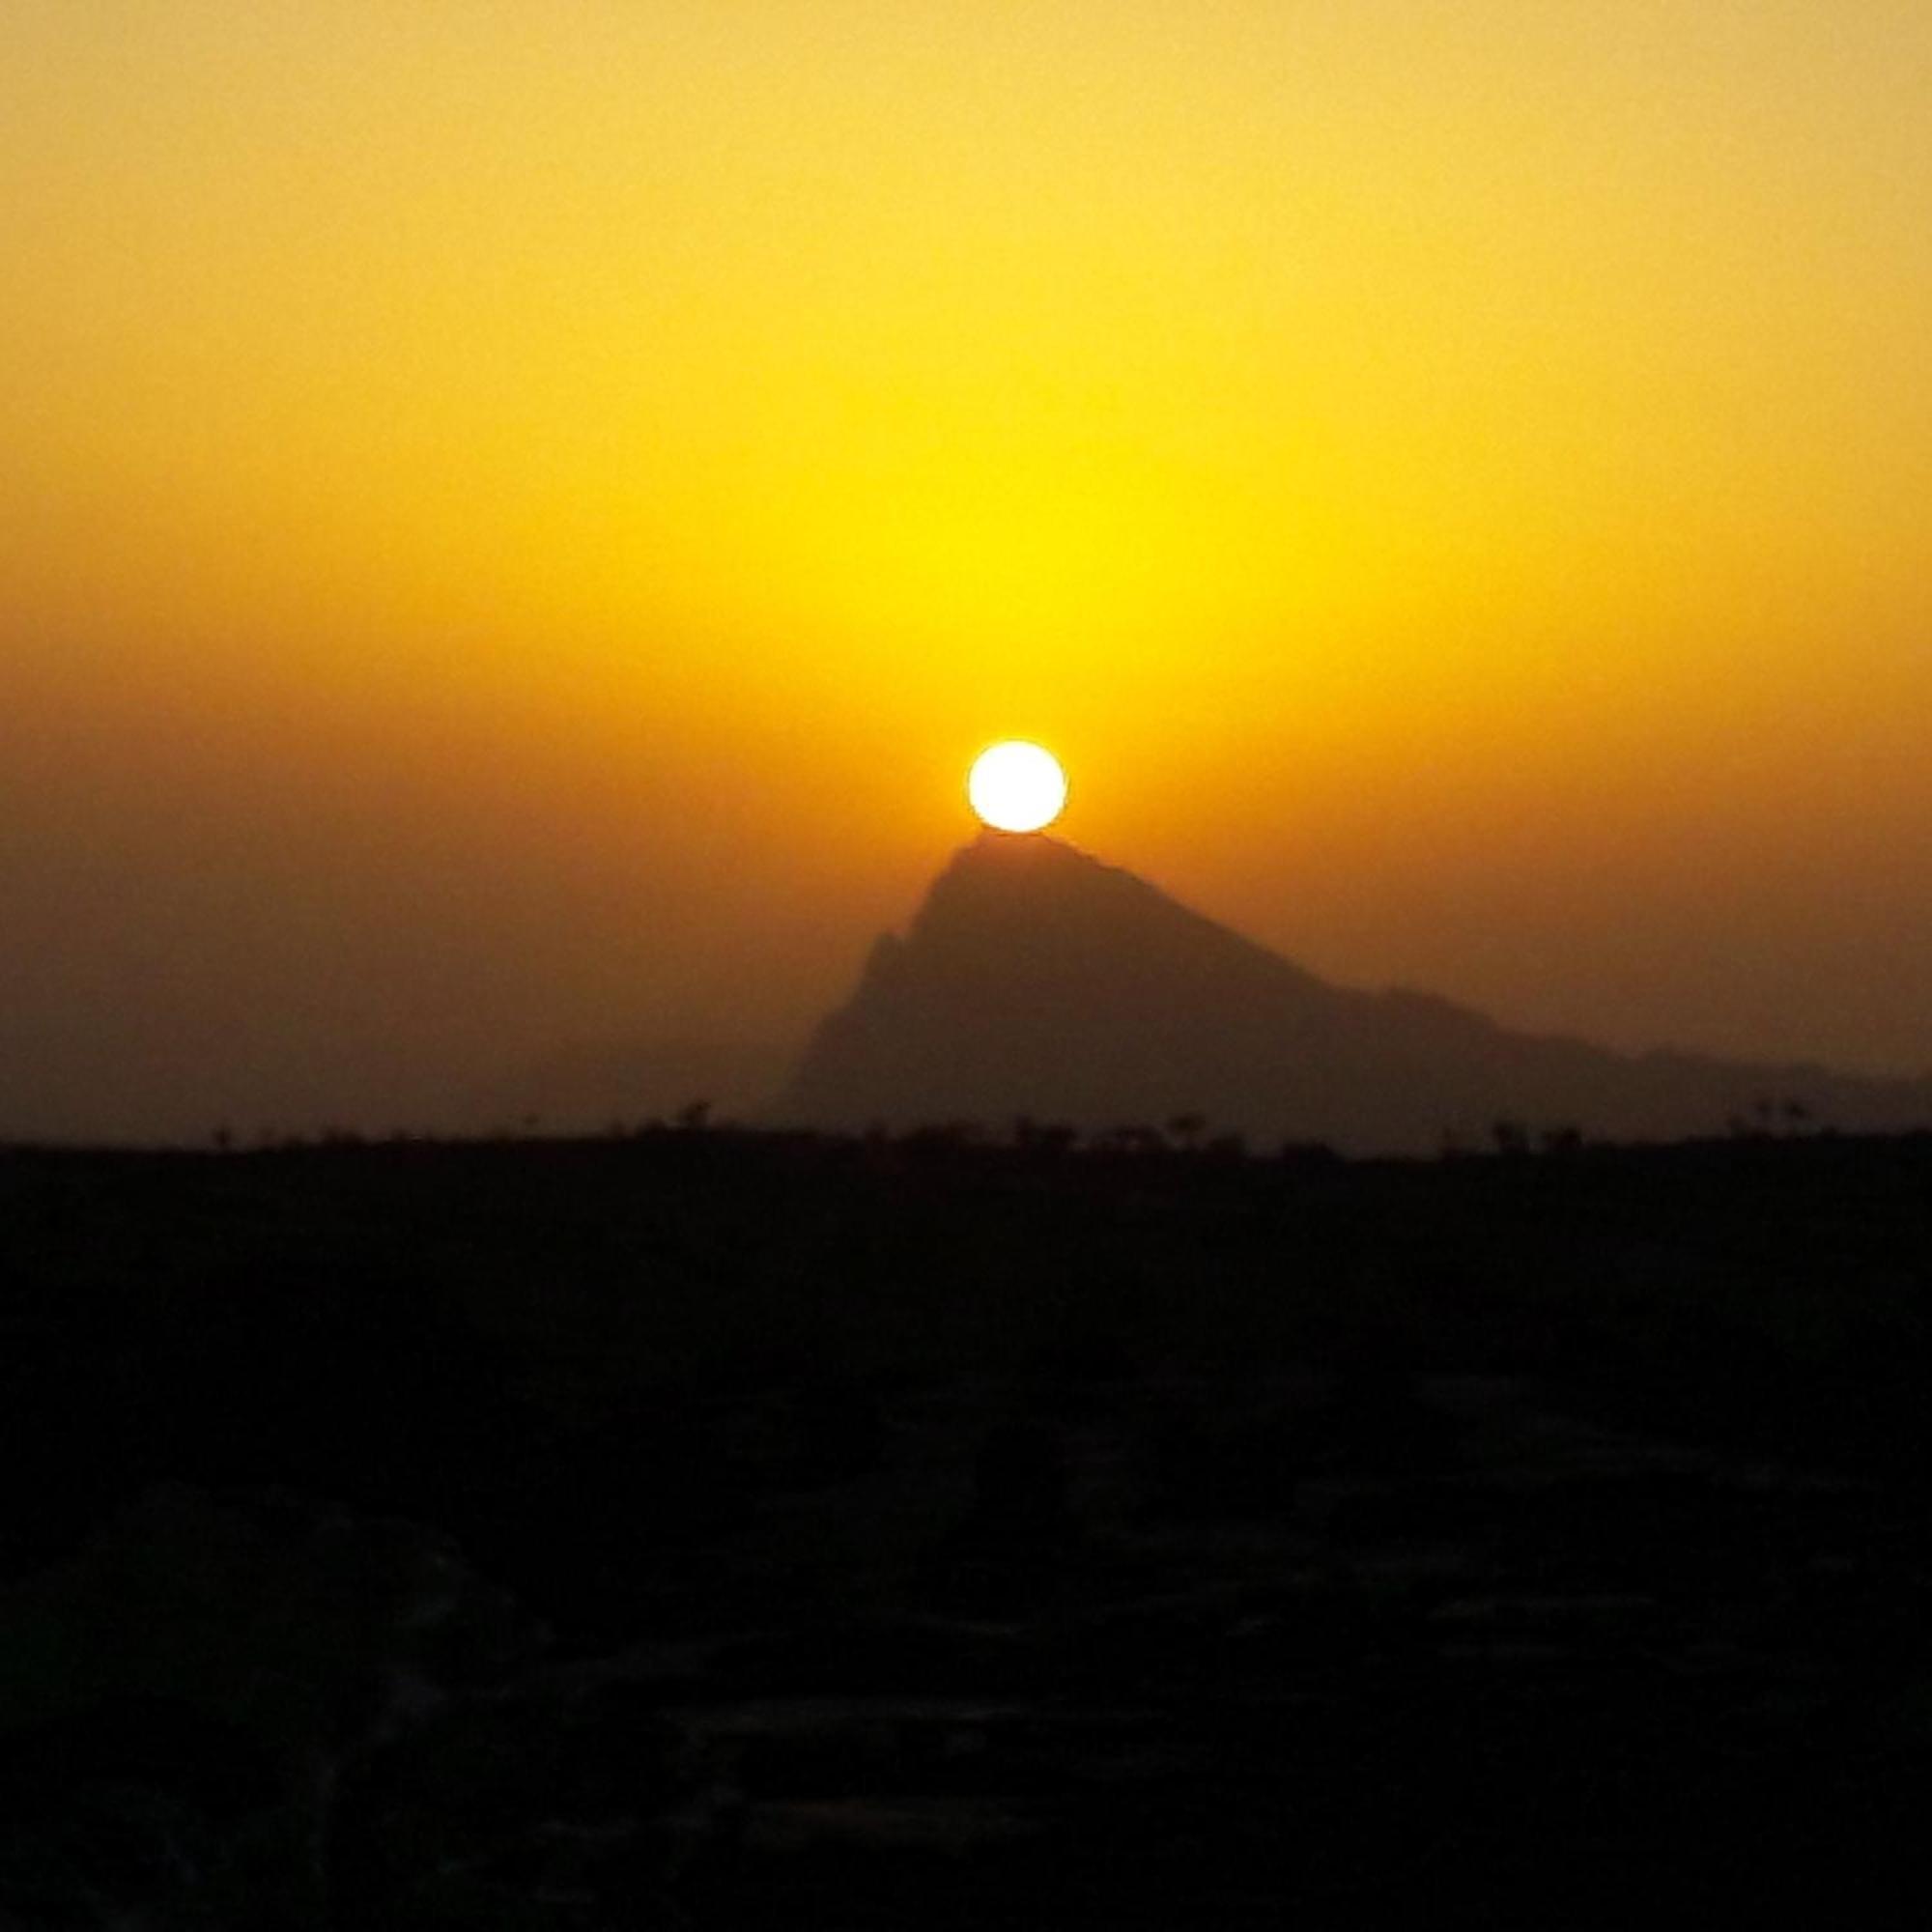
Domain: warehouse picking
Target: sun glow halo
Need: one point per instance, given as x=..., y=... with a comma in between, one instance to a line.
x=1015, y=787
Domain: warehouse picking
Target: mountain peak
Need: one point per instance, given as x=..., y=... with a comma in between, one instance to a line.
x=1027, y=921
x=1037, y=979
x=1007, y=863
x=1027, y=875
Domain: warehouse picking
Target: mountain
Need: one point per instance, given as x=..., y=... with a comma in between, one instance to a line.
x=1035, y=981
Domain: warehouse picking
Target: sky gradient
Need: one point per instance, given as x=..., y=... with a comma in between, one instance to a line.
x=515, y=519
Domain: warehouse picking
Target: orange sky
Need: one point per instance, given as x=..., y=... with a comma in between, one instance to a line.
x=514, y=517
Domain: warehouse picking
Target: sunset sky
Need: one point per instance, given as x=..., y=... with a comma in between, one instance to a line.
x=515, y=518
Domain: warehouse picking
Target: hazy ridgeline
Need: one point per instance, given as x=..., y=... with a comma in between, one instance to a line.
x=771, y=1527
x=1035, y=978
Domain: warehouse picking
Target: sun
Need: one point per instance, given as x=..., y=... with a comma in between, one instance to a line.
x=1017, y=787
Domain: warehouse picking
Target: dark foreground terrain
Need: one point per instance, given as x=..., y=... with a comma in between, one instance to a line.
x=705, y=1529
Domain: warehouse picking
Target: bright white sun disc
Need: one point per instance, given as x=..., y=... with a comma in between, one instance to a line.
x=1016, y=786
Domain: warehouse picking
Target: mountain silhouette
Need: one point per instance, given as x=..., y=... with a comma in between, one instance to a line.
x=1037, y=981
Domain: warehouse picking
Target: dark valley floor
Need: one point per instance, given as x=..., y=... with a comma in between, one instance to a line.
x=705, y=1529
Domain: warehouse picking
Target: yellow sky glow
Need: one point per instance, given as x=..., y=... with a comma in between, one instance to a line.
x=1405, y=458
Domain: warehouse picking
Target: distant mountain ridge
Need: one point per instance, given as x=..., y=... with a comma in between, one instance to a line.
x=1038, y=980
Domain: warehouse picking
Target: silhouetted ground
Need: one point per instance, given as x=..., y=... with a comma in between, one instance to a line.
x=709, y=1529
